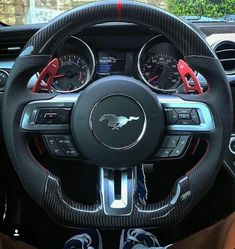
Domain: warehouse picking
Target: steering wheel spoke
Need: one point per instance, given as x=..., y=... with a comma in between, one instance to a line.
x=186, y=116
x=184, y=119
x=50, y=116
x=117, y=190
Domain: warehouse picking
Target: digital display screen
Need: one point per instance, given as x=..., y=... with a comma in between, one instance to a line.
x=110, y=62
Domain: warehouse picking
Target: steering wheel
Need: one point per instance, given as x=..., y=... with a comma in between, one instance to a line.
x=117, y=122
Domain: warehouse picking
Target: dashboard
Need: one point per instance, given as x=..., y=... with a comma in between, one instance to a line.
x=117, y=49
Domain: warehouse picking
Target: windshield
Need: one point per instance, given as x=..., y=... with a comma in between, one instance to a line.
x=18, y=12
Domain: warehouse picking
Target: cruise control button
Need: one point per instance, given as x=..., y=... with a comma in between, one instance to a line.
x=164, y=152
x=170, y=141
x=64, y=141
x=53, y=147
x=183, y=110
x=184, y=116
x=195, y=117
x=178, y=151
x=171, y=116
x=40, y=116
x=56, y=151
x=64, y=115
x=185, y=122
x=53, y=116
x=70, y=152
x=51, y=141
x=47, y=116
x=183, y=140
x=50, y=116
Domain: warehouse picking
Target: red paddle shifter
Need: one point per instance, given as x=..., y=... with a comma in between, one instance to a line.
x=185, y=71
x=47, y=73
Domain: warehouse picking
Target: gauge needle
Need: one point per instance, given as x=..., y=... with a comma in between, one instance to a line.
x=80, y=75
x=153, y=78
x=59, y=76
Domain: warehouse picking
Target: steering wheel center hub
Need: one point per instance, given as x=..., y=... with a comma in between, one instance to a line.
x=118, y=122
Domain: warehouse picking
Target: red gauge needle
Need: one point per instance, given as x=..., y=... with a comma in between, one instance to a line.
x=153, y=78
x=59, y=76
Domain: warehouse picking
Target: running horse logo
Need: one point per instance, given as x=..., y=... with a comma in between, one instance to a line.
x=116, y=122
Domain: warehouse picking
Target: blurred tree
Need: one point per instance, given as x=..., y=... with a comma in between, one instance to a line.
x=16, y=11
x=209, y=8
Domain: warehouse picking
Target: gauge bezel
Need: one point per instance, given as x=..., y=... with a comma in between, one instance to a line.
x=7, y=73
x=143, y=48
x=92, y=68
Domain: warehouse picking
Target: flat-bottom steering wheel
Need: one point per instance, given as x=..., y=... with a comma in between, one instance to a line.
x=138, y=111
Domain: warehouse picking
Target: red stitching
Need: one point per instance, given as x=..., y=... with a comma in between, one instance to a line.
x=191, y=170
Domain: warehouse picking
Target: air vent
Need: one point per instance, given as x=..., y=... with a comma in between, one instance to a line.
x=226, y=54
x=10, y=50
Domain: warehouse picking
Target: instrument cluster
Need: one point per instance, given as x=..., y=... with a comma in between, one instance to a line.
x=77, y=66
x=155, y=64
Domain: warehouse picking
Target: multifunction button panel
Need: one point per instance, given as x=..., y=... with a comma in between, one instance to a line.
x=182, y=116
x=61, y=146
x=173, y=146
x=53, y=116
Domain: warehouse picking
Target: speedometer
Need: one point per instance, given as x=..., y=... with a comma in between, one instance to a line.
x=74, y=72
x=160, y=71
x=157, y=64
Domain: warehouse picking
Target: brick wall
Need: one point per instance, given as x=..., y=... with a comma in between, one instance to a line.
x=16, y=11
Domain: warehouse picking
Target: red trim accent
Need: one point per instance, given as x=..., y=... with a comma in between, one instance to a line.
x=184, y=71
x=195, y=147
x=39, y=145
x=193, y=168
x=119, y=8
x=50, y=71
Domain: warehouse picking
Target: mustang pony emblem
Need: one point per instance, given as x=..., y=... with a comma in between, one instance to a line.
x=116, y=122
x=185, y=196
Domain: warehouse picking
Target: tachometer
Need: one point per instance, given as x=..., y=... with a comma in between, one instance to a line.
x=74, y=72
x=160, y=71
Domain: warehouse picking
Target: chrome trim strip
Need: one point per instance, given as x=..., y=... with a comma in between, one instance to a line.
x=205, y=115
x=127, y=147
x=117, y=205
x=27, y=121
x=167, y=101
x=6, y=64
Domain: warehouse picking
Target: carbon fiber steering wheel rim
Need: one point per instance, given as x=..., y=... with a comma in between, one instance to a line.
x=45, y=188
